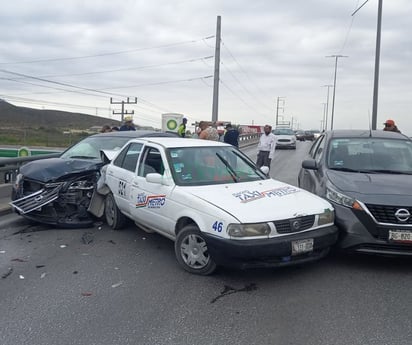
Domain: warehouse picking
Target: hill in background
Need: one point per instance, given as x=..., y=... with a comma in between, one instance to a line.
x=20, y=117
x=50, y=128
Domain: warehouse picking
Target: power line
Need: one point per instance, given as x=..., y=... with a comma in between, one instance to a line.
x=242, y=69
x=159, y=83
x=107, y=54
x=241, y=99
x=54, y=82
x=34, y=101
x=350, y=27
x=244, y=87
x=127, y=69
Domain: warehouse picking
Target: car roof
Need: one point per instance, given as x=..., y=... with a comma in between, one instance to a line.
x=137, y=134
x=170, y=142
x=365, y=133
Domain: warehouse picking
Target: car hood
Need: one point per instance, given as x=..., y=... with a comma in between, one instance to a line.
x=260, y=201
x=361, y=184
x=54, y=169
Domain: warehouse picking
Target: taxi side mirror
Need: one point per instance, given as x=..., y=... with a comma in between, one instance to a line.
x=264, y=169
x=157, y=178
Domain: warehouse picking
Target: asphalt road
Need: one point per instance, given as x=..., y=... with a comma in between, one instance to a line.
x=104, y=287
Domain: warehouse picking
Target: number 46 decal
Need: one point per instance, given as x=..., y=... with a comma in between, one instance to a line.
x=217, y=226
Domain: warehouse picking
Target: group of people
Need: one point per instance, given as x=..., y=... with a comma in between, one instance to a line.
x=266, y=146
x=127, y=125
x=209, y=132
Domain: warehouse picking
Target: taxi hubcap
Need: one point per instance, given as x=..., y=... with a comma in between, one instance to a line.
x=194, y=251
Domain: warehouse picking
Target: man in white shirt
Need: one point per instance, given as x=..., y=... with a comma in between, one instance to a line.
x=266, y=147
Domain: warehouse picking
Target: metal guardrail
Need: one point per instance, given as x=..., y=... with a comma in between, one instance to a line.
x=9, y=167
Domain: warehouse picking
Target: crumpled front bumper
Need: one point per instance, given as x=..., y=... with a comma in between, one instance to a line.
x=36, y=200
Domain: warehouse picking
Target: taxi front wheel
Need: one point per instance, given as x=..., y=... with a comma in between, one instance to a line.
x=114, y=218
x=192, y=252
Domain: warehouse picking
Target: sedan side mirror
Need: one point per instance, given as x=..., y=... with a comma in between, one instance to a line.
x=310, y=164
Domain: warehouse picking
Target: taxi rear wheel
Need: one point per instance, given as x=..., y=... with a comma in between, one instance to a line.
x=192, y=252
x=114, y=218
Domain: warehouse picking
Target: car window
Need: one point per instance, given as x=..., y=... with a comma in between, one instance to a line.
x=211, y=165
x=151, y=162
x=127, y=159
x=313, y=148
x=319, y=149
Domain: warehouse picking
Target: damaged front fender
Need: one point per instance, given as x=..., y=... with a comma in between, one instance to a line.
x=96, y=206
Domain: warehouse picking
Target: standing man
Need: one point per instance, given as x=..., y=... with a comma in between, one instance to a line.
x=128, y=124
x=231, y=136
x=266, y=147
x=390, y=126
x=181, y=130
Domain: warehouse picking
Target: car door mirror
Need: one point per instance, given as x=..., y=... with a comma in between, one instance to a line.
x=157, y=178
x=264, y=169
x=310, y=164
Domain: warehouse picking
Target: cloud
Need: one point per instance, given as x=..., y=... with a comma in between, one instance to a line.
x=153, y=50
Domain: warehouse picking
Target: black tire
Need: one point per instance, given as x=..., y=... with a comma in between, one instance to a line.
x=114, y=218
x=192, y=252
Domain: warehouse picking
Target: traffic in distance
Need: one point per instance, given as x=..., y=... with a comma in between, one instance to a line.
x=220, y=209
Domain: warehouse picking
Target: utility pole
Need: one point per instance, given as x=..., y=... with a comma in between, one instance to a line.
x=377, y=60
x=327, y=106
x=279, y=99
x=123, y=112
x=334, y=87
x=215, y=106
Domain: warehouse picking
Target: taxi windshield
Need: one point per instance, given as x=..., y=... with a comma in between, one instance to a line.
x=193, y=166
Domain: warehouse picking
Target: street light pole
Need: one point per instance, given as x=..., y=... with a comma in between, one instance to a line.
x=324, y=116
x=334, y=87
x=327, y=106
x=377, y=59
x=279, y=99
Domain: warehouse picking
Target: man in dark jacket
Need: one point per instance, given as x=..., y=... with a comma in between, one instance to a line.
x=390, y=126
x=128, y=124
x=231, y=136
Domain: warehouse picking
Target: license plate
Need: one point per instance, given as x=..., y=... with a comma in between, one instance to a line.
x=302, y=246
x=400, y=236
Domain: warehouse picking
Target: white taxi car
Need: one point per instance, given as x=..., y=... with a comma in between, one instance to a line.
x=215, y=204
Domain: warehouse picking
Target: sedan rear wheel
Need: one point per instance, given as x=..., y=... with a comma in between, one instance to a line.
x=114, y=218
x=192, y=252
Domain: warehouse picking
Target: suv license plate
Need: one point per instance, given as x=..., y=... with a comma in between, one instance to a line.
x=400, y=236
x=302, y=246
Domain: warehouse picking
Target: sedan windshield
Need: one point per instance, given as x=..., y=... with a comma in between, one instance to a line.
x=193, y=166
x=371, y=155
x=89, y=148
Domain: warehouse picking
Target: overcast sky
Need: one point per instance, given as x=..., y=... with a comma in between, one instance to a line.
x=75, y=55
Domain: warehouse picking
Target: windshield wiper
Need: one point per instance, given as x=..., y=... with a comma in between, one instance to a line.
x=232, y=173
x=384, y=171
x=344, y=169
x=84, y=157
